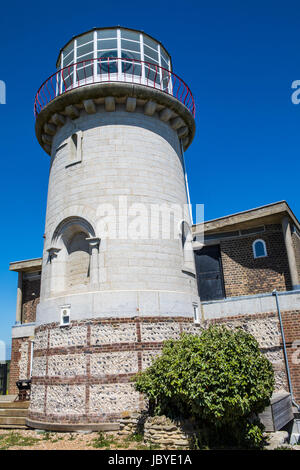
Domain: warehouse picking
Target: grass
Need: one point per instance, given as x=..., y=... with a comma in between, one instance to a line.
x=135, y=441
x=103, y=441
x=16, y=439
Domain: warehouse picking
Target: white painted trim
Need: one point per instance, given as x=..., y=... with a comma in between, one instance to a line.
x=24, y=330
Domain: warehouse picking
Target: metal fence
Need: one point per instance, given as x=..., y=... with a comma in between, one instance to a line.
x=113, y=69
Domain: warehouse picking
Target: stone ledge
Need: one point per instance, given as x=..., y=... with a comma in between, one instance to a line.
x=66, y=105
x=72, y=427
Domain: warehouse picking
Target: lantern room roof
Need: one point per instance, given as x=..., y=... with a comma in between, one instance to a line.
x=110, y=27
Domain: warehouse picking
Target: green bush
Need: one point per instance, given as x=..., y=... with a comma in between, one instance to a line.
x=220, y=378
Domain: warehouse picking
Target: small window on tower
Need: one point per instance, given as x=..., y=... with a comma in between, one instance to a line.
x=196, y=313
x=75, y=152
x=259, y=249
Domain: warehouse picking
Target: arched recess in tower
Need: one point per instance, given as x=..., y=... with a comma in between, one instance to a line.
x=70, y=267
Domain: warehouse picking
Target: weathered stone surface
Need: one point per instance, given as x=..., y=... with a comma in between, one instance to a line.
x=89, y=106
x=65, y=399
x=159, y=331
x=117, y=333
x=114, y=363
x=113, y=398
x=69, y=336
x=37, y=398
x=110, y=104
x=41, y=340
x=23, y=363
x=39, y=366
x=67, y=365
x=148, y=357
x=72, y=111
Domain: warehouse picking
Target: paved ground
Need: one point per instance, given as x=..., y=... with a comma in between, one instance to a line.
x=36, y=440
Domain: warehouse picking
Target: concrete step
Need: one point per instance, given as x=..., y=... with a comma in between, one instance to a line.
x=12, y=420
x=7, y=398
x=14, y=404
x=13, y=412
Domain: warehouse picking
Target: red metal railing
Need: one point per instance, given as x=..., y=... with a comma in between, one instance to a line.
x=113, y=69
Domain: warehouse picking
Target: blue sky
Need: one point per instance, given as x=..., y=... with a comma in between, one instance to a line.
x=239, y=59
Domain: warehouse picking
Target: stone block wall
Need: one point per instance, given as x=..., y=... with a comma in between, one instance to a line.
x=245, y=275
x=82, y=373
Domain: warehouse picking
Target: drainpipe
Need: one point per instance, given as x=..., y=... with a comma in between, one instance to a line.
x=285, y=351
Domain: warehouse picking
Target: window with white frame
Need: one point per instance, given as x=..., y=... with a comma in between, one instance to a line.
x=259, y=249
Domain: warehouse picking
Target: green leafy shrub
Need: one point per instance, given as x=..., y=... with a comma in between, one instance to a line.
x=221, y=379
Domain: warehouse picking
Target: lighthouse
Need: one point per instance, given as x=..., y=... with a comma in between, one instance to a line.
x=118, y=272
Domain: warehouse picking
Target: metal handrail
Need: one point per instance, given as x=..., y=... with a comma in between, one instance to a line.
x=113, y=69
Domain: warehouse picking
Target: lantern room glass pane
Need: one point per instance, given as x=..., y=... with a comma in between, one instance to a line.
x=149, y=42
x=87, y=48
x=85, y=38
x=106, y=44
x=126, y=34
x=130, y=45
x=68, y=55
x=150, y=55
x=84, y=71
x=106, y=63
x=131, y=66
x=107, y=33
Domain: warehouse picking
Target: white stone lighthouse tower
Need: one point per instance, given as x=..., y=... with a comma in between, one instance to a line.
x=116, y=281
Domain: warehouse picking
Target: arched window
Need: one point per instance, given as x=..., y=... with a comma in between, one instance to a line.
x=259, y=249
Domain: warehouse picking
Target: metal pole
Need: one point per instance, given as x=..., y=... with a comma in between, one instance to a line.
x=186, y=184
x=284, y=349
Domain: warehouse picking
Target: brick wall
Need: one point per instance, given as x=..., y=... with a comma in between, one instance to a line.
x=244, y=275
x=31, y=297
x=291, y=324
